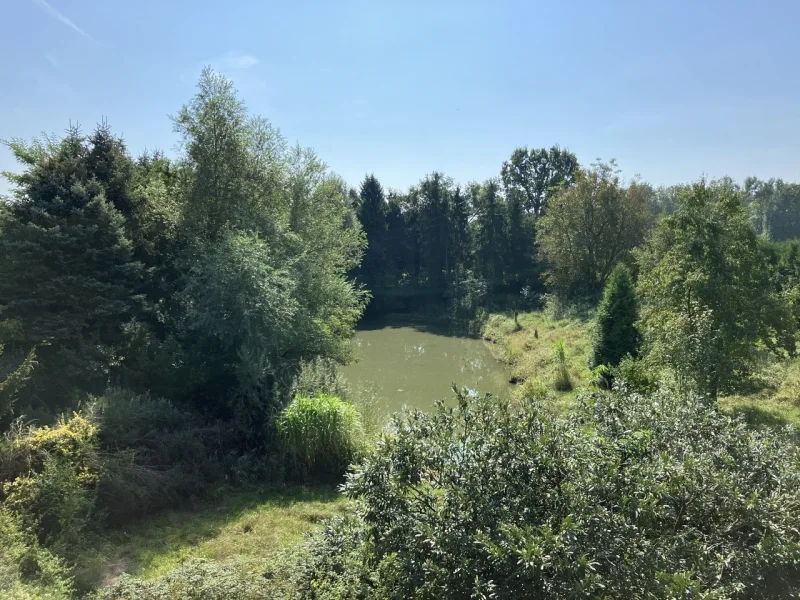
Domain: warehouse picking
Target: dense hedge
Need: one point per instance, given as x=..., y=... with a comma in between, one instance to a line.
x=631, y=496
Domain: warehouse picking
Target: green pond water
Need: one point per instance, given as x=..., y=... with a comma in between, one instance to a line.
x=414, y=367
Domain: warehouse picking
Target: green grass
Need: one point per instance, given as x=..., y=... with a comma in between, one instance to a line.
x=777, y=402
x=529, y=351
x=250, y=524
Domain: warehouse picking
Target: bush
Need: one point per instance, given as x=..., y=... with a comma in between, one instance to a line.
x=631, y=496
x=196, y=580
x=562, y=382
x=320, y=376
x=27, y=571
x=321, y=436
x=49, y=480
x=157, y=454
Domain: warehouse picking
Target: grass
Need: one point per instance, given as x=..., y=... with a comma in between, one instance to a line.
x=528, y=346
x=250, y=524
x=776, y=403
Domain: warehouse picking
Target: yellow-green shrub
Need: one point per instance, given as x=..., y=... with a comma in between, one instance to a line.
x=49, y=479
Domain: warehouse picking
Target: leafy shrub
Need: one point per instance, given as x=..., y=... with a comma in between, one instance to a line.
x=198, y=579
x=631, y=496
x=50, y=477
x=157, y=454
x=321, y=435
x=27, y=571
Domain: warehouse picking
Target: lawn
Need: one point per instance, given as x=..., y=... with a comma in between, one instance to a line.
x=250, y=524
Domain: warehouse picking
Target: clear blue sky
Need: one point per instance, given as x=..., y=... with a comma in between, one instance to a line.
x=672, y=90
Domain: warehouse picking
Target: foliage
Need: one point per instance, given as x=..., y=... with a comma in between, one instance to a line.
x=591, y=227
x=276, y=237
x=321, y=435
x=320, y=376
x=68, y=279
x=705, y=290
x=774, y=207
x=155, y=454
x=562, y=381
x=631, y=496
x=615, y=333
x=49, y=480
x=15, y=378
x=198, y=579
x=27, y=571
x=536, y=174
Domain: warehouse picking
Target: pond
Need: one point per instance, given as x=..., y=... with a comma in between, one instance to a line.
x=413, y=366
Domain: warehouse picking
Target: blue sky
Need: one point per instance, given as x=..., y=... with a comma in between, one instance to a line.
x=672, y=90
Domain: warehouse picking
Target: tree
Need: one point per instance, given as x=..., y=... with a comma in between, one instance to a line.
x=489, y=208
x=270, y=236
x=590, y=227
x=372, y=210
x=434, y=195
x=705, y=291
x=535, y=175
x=69, y=281
x=615, y=330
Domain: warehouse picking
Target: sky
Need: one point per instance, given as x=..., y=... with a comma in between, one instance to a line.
x=671, y=90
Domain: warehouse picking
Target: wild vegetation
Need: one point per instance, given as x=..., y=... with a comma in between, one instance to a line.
x=173, y=417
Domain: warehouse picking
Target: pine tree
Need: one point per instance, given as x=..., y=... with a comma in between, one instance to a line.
x=68, y=279
x=372, y=211
x=616, y=335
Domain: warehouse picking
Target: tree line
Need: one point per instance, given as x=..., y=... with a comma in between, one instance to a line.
x=546, y=224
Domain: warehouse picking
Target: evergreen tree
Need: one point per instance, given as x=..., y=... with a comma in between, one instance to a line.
x=434, y=196
x=68, y=278
x=489, y=209
x=372, y=210
x=615, y=330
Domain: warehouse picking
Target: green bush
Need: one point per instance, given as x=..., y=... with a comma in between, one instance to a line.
x=562, y=382
x=198, y=579
x=630, y=496
x=320, y=376
x=27, y=571
x=156, y=454
x=320, y=435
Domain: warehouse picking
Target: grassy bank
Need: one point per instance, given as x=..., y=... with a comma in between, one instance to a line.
x=528, y=346
x=250, y=525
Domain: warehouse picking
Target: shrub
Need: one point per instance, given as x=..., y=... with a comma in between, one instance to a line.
x=49, y=479
x=27, y=571
x=157, y=454
x=562, y=382
x=320, y=376
x=321, y=435
x=615, y=333
x=631, y=496
x=198, y=579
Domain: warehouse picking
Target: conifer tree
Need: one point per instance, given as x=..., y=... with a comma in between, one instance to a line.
x=616, y=335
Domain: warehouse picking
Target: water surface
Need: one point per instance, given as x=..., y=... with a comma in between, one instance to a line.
x=414, y=367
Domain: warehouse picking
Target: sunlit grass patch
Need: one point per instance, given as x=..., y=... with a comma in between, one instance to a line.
x=250, y=525
x=529, y=351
